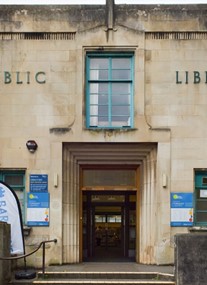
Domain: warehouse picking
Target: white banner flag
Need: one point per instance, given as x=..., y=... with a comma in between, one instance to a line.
x=10, y=212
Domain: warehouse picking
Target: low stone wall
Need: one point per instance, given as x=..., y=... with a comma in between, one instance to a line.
x=191, y=259
x=5, y=265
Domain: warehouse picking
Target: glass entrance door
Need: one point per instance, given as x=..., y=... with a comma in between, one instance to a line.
x=108, y=235
x=108, y=226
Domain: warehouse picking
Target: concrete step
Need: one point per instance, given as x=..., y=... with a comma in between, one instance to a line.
x=99, y=278
x=95, y=282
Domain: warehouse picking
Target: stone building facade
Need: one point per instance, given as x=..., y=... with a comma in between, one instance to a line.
x=114, y=96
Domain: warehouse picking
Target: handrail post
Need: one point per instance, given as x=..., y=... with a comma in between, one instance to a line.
x=25, y=255
x=43, y=255
x=43, y=260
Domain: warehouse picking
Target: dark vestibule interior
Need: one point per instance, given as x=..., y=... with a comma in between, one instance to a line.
x=109, y=225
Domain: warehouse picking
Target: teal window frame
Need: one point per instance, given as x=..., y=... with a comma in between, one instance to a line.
x=200, y=198
x=119, y=90
x=18, y=188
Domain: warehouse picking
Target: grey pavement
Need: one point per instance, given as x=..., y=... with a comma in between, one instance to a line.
x=111, y=267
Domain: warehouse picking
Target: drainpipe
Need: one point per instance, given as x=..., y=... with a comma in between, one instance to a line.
x=110, y=14
x=109, y=17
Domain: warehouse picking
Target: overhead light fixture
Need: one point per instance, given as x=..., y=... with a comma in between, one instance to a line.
x=32, y=146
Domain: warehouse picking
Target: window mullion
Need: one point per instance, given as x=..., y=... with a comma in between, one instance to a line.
x=110, y=93
x=88, y=84
x=131, y=93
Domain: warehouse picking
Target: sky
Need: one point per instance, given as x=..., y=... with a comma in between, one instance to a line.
x=72, y=2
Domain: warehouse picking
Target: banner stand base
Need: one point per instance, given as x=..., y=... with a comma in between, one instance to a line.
x=25, y=274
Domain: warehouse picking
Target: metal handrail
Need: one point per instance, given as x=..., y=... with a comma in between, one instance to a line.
x=28, y=254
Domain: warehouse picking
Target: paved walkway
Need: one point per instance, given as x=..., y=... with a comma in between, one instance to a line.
x=111, y=267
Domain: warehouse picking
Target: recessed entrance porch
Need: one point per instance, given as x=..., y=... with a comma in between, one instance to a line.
x=139, y=157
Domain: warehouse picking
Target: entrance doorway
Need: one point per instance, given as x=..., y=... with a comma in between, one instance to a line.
x=103, y=167
x=109, y=225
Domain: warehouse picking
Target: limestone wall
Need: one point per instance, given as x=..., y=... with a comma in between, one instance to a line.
x=42, y=95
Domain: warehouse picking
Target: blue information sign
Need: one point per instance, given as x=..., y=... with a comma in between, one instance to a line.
x=38, y=183
x=181, y=209
x=37, y=209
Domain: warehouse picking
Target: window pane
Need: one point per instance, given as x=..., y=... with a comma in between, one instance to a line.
x=121, y=63
x=94, y=110
x=94, y=177
x=114, y=219
x=103, y=74
x=100, y=218
x=103, y=88
x=102, y=111
x=120, y=88
x=98, y=74
x=120, y=99
x=201, y=194
x=121, y=74
x=99, y=63
x=120, y=121
x=107, y=198
x=103, y=122
x=201, y=217
x=94, y=121
x=120, y=110
x=103, y=119
x=14, y=180
x=96, y=88
x=103, y=99
x=201, y=205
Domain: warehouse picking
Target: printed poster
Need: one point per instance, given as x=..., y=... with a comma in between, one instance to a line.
x=38, y=209
x=181, y=209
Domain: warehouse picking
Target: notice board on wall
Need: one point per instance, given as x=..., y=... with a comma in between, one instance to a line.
x=38, y=209
x=38, y=183
x=181, y=209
